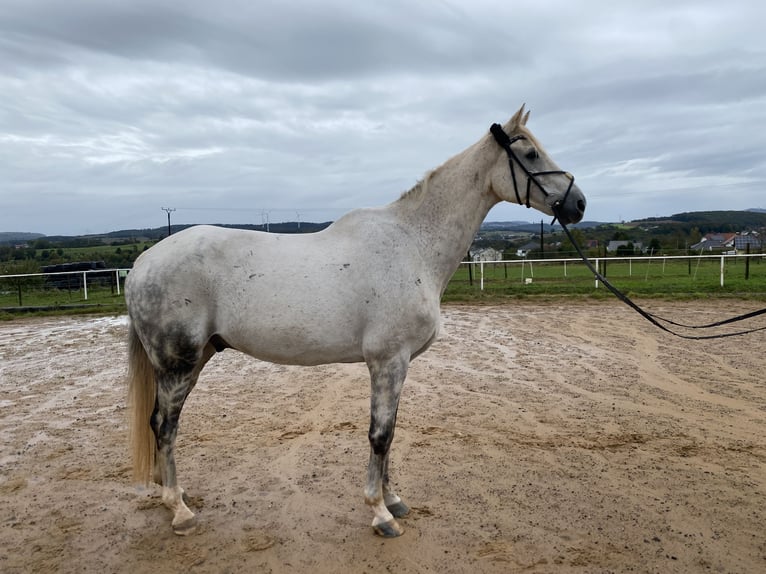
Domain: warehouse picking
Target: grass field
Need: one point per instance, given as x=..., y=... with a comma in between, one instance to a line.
x=672, y=278
x=643, y=277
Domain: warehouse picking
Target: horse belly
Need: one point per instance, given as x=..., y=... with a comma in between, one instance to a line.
x=287, y=330
x=296, y=346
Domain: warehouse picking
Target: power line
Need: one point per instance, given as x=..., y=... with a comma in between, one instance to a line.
x=270, y=209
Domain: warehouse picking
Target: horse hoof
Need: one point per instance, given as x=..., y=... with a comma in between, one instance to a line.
x=399, y=509
x=186, y=527
x=390, y=529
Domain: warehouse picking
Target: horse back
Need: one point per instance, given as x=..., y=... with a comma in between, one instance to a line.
x=332, y=296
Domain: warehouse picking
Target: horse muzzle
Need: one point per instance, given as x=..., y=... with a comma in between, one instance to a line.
x=570, y=208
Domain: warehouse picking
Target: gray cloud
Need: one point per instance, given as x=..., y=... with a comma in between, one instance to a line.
x=111, y=110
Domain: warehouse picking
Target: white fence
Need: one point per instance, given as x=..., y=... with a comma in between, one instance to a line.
x=118, y=274
x=599, y=262
x=527, y=268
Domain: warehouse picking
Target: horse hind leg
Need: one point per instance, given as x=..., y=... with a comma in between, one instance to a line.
x=172, y=390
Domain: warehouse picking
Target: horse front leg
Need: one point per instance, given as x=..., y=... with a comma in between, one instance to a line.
x=387, y=378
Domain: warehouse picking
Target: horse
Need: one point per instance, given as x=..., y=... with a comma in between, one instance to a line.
x=365, y=289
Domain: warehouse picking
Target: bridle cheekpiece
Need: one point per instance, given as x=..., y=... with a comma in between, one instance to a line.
x=505, y=142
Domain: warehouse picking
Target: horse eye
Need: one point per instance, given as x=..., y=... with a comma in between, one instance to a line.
x=532, y=154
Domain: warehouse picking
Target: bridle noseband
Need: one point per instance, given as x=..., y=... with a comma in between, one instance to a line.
x=505, y=142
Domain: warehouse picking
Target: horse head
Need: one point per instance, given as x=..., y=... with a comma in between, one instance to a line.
x=527, y=175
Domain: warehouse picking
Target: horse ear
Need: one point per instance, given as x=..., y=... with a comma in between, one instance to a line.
x=526, y=118
x=518, y=118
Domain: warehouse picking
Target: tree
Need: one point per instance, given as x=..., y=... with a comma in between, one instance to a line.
x=626, y=250
x=695, y=236
x=21, y=268
x=620, y=235
x=578, y=236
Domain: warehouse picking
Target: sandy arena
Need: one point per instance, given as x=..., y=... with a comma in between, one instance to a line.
x=532, y=437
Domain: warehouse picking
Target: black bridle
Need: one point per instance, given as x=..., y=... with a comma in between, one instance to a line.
x=505, y=142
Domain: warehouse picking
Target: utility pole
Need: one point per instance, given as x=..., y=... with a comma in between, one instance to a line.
x=169, y=210
x=265, y=218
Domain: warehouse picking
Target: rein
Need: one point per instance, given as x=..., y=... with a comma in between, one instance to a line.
x=505, y=142
x=656, y=319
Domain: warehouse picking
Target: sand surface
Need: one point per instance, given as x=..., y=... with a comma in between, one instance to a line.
x=532, y=437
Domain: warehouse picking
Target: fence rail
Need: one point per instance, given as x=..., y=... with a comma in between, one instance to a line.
x=47, y=289
x=646, y=267
x=646, y=274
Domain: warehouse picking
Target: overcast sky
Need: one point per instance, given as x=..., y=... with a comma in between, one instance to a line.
x=232, y=112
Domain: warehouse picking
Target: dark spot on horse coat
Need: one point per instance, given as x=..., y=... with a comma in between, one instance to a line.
x=380, y=437
x=174, y=349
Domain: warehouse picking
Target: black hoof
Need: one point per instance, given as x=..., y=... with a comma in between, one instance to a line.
x=390, y=529
x=399, y=509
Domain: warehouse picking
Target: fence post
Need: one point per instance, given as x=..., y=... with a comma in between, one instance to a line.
x=747, y=262
x=596, y=275
x=723, y=257
x=117, y=280
x=85, y=284
x=481, y=272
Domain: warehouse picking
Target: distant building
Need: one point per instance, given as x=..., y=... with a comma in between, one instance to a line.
x=749, y=239
x=715, y=242
x=487, y=254
x=527, y=247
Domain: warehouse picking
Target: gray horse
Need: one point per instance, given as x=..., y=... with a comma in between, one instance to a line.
x=366, y=289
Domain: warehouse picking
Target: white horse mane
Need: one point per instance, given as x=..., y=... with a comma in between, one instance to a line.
x=516, y=124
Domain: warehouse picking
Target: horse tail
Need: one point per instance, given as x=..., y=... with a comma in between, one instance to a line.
x=141, y=398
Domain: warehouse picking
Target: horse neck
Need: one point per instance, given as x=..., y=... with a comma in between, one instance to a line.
x=446, y=209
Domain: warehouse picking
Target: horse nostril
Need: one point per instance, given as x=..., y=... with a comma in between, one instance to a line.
x=581, y=205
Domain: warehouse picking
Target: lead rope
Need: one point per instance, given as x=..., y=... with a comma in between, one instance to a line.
x=655, y=319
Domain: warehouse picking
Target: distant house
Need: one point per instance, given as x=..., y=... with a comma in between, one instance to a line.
x=486, y=254
x=527, y=247
x=715, y=242
x=749, y=239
